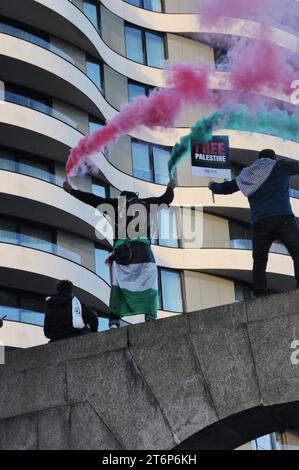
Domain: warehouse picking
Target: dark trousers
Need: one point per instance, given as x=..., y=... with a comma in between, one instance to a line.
x=264, y=233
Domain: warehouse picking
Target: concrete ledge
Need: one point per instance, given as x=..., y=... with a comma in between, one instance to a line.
x=211, y=379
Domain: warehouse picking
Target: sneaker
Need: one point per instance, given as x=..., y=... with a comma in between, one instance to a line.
x=114, y=327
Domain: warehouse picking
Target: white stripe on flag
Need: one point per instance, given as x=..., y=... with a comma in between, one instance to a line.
x=135, y=277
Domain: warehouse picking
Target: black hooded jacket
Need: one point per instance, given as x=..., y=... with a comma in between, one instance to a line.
x=59, y=318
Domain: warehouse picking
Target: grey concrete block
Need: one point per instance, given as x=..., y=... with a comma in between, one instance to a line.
x=286, y=303
x=221, y=341
x=31, y=390
x=68, y=349
x=111, y=383
x=159, y=331
x=54, y=429
x=88, y=432
x=271, y=344
x=172, y=371
x=19, y=433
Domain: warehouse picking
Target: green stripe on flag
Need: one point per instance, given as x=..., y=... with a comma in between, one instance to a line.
x=125, y=303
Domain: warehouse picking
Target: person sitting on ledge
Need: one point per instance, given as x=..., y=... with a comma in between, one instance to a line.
x=66, y=316
x=133, y=270
x=266, y=183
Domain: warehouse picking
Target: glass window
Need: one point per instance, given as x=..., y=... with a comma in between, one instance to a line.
x=167, y=227
x=171, y=290
x=7, y=161
x=9, y=306
x=134, y=44
x=135, y=90
x=8, y=232
x=161, y=157
x=36, y=238
x=99, y=189
x=102, y=269
x=153, y=5
x=94, y=125
x=37, y=167
x=243, y=292
x=136, y=3
x=94, y=71
x=155, y=50
x=141, y=161
x=26, y=97
x=144, y=46
x=39, y=170
x=240, y=235
x=90, y=9
x=22, y=308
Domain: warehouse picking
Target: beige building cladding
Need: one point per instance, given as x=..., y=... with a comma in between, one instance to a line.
x=67, y=67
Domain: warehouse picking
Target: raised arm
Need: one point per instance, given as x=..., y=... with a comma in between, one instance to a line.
x=228, y=187
x=166, y=198
x=88, y=198
x=291, y=166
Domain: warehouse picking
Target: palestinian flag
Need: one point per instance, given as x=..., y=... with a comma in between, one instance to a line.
x=134, y=284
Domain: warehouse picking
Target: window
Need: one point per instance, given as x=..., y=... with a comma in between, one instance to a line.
x=240, y=235
x=91, y=10
x=134, y=44
x=102, y=269
x=152, y=5
x=26, y=164
x=29, y=98
x=241, y=238
x=150, y=162
x=22, y=306
x=34, y=235
x=144, y=46
x=171, y=291
x=141, y=161
x=34, y=100
x=95, y=124
x=168, y=228
x=94, y=70
x=27, y=33
x=136, y=89
x=155, y=50
x=243, y=291
x=160, y=159
x=99, y=189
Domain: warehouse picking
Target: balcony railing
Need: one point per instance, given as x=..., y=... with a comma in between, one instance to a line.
x=7, y=28
x=36, y=243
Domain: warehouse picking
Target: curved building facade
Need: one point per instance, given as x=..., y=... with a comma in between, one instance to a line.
x=67, y=67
